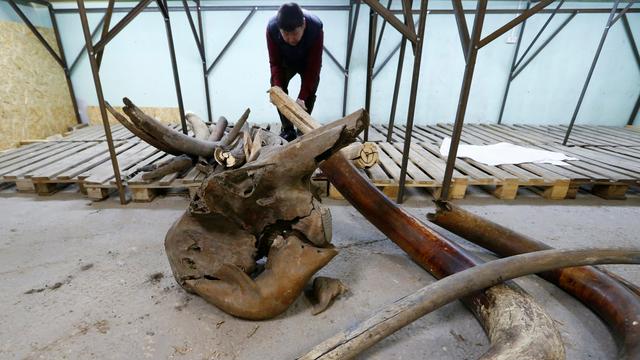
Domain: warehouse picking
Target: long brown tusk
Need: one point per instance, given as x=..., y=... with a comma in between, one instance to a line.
x=177, y=140
x=393, y=317
x=613, y=302
x=140, y=132
x=427, y=248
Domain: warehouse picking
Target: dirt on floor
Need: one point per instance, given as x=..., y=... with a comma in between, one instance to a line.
x=83, y=280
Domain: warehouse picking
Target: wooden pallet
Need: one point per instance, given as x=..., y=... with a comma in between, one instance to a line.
x=99, y=181
x=520, y=134
x=608, y=164
x=145, y=191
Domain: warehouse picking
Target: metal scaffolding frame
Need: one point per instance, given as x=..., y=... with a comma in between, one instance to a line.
x=476, y=42
x=411, y=30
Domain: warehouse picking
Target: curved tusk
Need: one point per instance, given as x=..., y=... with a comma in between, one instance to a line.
x=350, y=343
x=140, y=132
x=172, y=138
x=218, y=131
x=200, y=129
x=427, y=248
x=613, y=302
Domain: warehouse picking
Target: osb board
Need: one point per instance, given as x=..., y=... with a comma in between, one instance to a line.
x=164, y=115
x=34, y=98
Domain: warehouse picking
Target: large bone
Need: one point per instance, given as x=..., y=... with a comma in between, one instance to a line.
x=392, y=318
x=425, y=247
x=141, y=133
x=363, y=155
x=177, y=164
x=267, y=204
x=290, y=265
x=200, y=129
x=218, y=131
x=173, y=139
x=613, y=302
x=262, y=180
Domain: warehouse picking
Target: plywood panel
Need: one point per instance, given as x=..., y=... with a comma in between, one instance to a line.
x=34, y=98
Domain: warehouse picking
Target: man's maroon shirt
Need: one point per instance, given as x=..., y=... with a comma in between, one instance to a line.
x=305, y=58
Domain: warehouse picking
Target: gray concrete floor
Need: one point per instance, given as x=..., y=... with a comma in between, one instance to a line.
x=83, y=280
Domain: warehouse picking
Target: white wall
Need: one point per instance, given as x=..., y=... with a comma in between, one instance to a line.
x=137, y=65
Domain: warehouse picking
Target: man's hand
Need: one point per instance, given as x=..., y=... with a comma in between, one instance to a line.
x=301, y=103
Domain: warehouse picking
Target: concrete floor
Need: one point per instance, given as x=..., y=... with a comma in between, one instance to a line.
x=83, y=280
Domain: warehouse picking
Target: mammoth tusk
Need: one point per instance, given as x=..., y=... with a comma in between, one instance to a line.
x=174, y=139
x=140, y=132
x=613, y=302
x=218, y=131
x=424, y=246
x=393, y=317
x=200, y=129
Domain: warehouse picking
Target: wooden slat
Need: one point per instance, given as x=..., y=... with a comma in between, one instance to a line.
x=74, y=172
x=477, y=176
x=22, y=151
x=433, y=166
x=72, y=161
x=418, y=176
x=42, y=155
x=104, y=172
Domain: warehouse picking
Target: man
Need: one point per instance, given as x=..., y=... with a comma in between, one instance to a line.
x=294, y=39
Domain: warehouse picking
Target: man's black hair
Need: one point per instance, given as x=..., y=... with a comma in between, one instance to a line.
x=290, y=17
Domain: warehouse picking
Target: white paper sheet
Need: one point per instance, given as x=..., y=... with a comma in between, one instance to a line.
x=505, y=153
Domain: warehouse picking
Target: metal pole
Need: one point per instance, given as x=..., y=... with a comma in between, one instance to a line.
x=135, y=11
x=333, y=58
x=513, y=67
x=391, y=19
x=541, y=47
x=373, y=19
x=384, y=24
x=388, y=58
x=351, y=23
x=412, y=98
x=464, y=97
x=406, y=7
x=634, y=112
x=233, y=38
x=339, y=8
x=93, y=34
x=535, y=38
x=634, y=48
x=65, y=68
x=103, y=111
x=396, y=89
x=203, y=59
x=593, y=66
x=513, y=23
x=105, y=29
x=632, y=41
x=463, y=30
x=174, y=64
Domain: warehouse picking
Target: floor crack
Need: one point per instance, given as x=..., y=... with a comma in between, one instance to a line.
x=364, y=243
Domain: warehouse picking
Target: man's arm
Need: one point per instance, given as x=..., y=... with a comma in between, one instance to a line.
x=311, y=74
x=274, y=61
